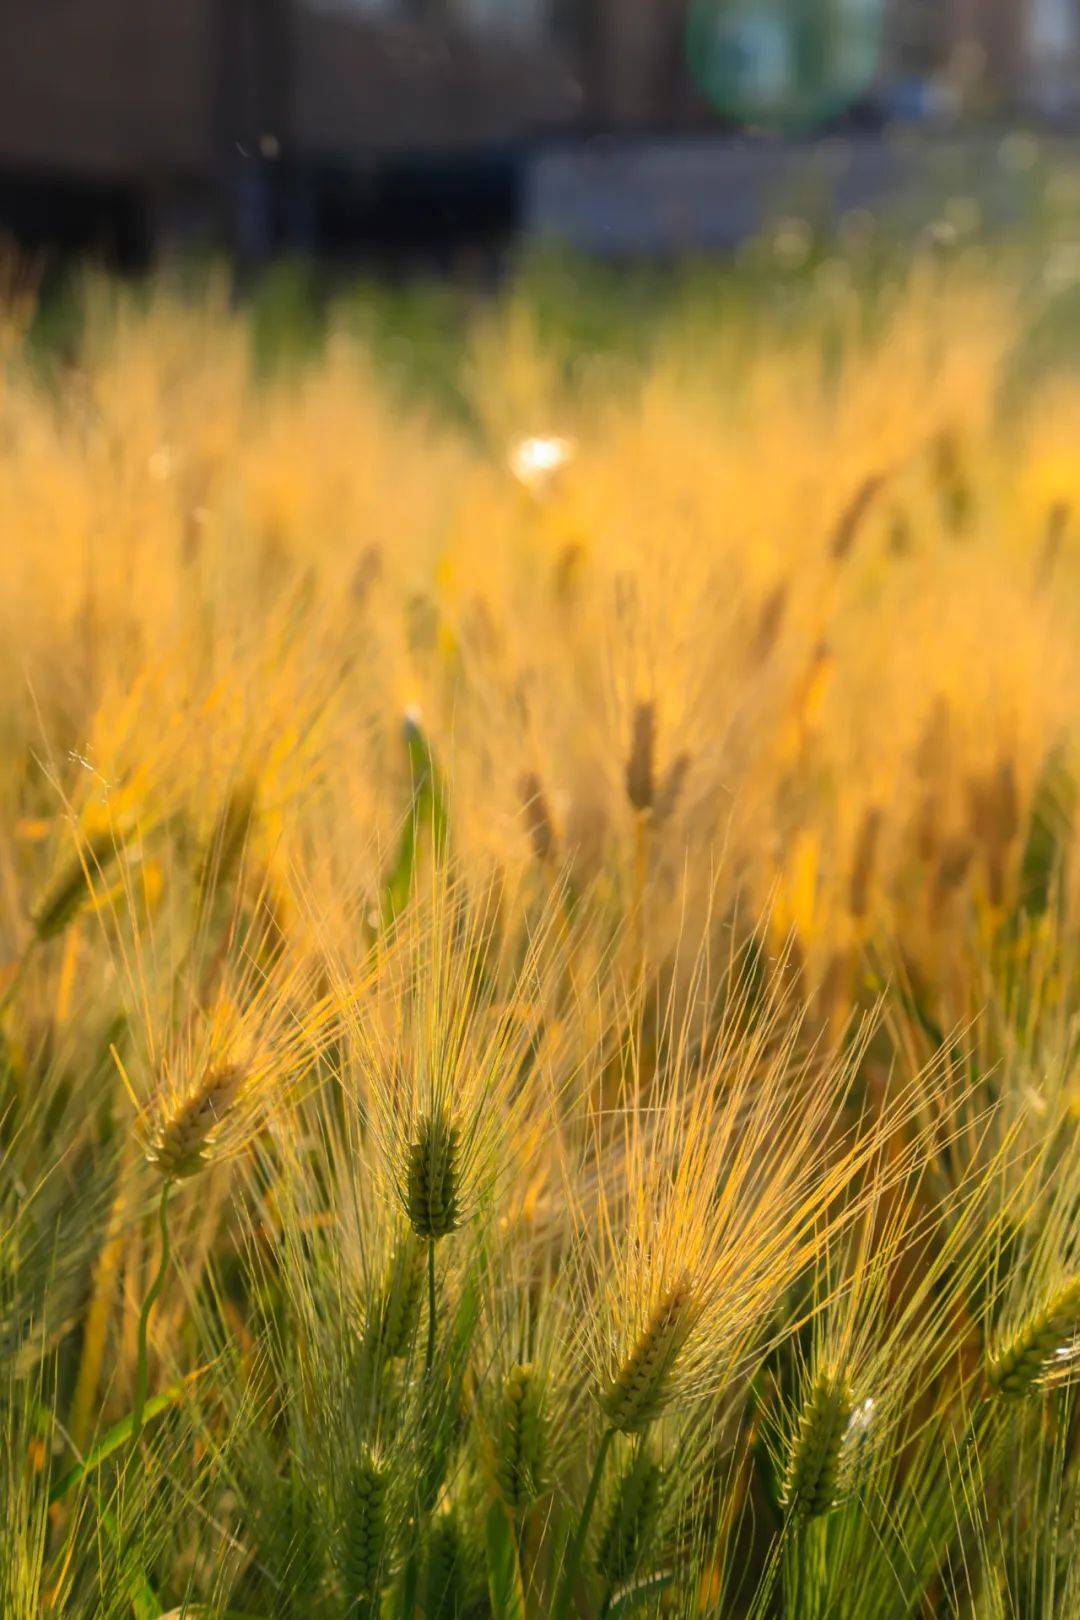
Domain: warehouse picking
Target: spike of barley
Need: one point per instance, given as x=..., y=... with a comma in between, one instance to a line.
x=632, y=1518
x=1024, y=1359
x=396, y=1317
x=640, y=1388
x=365, y=1536
x=433, y=1178
x=187, y=1134
x=71, y=890
x=521, y=1439
x=537, y=816
x=447, y=1596
x=668, y=797
x=812, y=1478
x=640, y=778
x=862, y=870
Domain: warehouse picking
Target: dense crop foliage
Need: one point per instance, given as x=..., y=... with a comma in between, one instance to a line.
x=539, y=987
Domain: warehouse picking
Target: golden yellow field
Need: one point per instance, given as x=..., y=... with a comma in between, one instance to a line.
x=537, y=969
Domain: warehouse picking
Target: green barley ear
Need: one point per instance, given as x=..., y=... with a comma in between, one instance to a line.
x=447, y=1596
x=186, y=1137
x=364, y=1537
x=521, y=1439
x=396, y=1317
x=632, y=1519
x=812, y=1480
x=224, y=852
x=640, y=1389
x=433, y=1178
x=1047, y=1339
x=71, y=890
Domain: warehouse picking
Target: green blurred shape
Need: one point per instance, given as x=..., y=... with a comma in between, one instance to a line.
x=786, y=65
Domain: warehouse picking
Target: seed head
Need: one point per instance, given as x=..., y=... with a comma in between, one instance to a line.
x=364, y=1536
x=433, y=1178
x=851, y=519
x=187, y=1135
x=537, y=816
x=641, y=1387
x=521, y=1439
x=447, y=1587
x=71, y=890
x=812, y=1479
x=770, y=622
x=632, y=1518
x=862, y=871
x=393, y=1324
x=1047, y=1338
x=640, y=780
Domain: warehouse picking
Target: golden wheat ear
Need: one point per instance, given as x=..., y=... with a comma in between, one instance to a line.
x=188, y=1133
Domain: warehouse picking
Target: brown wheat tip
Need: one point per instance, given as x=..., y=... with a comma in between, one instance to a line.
x=1046, y=1342
x=433, y=1189
x=812, y=1477
x=641, y=1387
x=640, y=779
x=1057, y=524
x=851, y=518
x=189, y=1132
x=538, y=820
x=952, y=867
x=862, y=870
x=770, y=622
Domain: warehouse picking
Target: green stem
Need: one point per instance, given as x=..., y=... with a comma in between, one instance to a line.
x=429, y=1360
x=141, y=1370
x=411, y=1581
x=565, y=1594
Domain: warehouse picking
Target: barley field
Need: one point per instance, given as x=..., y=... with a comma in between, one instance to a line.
x=539, y=974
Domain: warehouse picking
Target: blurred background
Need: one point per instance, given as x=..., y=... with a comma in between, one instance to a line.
x=442, y=131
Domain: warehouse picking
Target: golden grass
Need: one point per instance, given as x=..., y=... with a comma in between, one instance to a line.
x=572, y=920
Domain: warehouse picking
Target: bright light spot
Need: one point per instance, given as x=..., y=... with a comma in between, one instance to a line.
x=859, y=1421
x=533, y=461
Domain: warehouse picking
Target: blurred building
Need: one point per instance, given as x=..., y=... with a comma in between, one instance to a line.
x=313, y=122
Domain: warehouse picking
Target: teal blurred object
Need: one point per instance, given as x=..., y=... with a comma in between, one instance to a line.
x=787, y=65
